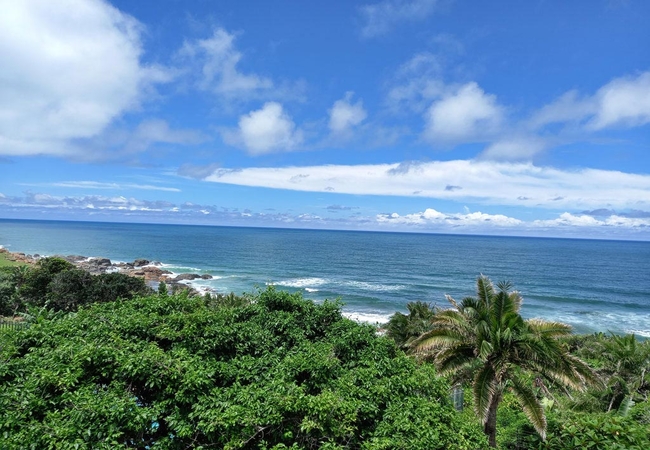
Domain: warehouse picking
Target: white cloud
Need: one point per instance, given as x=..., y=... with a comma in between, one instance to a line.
x=109, y=186
x=68, y=70
x=582, y=220
x=432, y=217
x=265, y=130
x=345, y=115
x=381, y=17
x=417, y=82
x=515, y=148
x=489, y=182
x=219, y=59
x=465, y=116
x=623, y=102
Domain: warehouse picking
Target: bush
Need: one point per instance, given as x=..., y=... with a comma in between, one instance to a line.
x=177, y=372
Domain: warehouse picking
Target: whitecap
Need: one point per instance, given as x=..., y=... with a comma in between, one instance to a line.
x=309, y=282
x=376, y=287
x=372, y=318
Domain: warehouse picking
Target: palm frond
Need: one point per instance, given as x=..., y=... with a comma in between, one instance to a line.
x=452, y=359
x=485, y=387
x=548, y=328
x=484, y=289
x=531, y=406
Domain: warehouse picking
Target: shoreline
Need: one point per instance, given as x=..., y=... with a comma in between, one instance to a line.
x=150, y=271
x=153, y=272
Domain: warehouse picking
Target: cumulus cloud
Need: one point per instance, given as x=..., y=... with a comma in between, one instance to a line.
x=566, y=224
x=431, y=216
x=68, y=70
x=587, y=221
x=345, y=115
x=623, y=102
x=489, y=182
x=467, y=115
x=266, y=130
x=380, y=18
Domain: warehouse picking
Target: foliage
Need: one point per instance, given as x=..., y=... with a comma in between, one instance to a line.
x=176, y=372
x=487, y=335
x=403, y=329
x=33, y=288
x=624, y=364
x=56, y=284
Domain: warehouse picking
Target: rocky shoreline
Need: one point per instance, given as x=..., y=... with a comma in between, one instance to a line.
x=150, y=271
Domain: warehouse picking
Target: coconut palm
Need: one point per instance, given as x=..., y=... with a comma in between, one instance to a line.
x=404, y=328
x=485, y=336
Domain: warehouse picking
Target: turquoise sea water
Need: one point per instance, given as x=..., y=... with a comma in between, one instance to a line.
x=592, y=285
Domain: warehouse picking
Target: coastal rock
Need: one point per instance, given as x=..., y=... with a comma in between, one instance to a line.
x=141, y=262
x=94, y=265
x=187, y=276
x=192, y=276
x=149, y=273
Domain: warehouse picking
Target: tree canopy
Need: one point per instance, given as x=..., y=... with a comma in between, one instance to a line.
x=172, y=371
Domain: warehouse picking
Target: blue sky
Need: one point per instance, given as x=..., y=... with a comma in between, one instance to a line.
x=508, y=117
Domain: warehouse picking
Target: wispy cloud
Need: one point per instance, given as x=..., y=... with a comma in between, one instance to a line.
x=623, y=102
x=498, y=183
x=214, y=63
x=380, y=18
x=106, y=186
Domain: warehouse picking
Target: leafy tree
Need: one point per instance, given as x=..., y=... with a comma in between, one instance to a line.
x=487, y=335
x=69, y=289
x=177, y=372
x=108, y=287
x=34, y=285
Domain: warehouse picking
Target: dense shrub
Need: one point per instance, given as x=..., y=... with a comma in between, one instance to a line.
x=179, y=372
x=58, y=285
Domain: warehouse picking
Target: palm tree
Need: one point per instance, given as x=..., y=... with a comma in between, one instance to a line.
x=486, y=336
x=404, y=328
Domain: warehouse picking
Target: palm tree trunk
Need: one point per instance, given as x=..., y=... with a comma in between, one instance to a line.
x=490, y=427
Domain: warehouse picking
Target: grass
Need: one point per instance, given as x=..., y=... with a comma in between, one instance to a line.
x=6, y=262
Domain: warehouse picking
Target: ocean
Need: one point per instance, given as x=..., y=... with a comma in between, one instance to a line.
x=593, y=285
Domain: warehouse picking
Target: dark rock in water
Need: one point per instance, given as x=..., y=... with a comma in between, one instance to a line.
x=187, y=276
x=102, y=261
x=206, y=276
x=141, y=262
x=74, y=258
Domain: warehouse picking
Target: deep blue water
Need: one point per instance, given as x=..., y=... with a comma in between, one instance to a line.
x=594, y=285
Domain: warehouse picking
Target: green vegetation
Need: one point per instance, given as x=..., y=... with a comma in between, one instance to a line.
x=172, y=371
x=485, y=336
x=527, y=365
x=104, y=362
x=6, y=262
x=57, y=285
